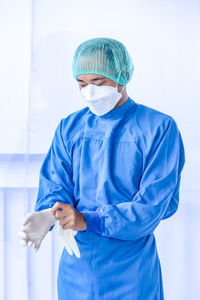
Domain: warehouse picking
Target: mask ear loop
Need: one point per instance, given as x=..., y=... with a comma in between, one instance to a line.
x=118, y=82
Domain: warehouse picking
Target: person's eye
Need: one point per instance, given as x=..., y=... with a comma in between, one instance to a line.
x=100, y=84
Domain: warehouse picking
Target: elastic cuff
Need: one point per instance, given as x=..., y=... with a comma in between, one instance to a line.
x=94, y=221
x=46, y=208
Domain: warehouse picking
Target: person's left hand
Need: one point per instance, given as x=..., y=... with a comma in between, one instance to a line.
x=69, y=217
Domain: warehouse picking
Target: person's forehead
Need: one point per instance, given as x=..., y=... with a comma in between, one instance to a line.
x=90, y=77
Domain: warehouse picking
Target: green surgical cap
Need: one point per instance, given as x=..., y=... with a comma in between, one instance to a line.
x=104, y=56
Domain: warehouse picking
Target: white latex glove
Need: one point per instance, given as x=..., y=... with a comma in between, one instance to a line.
x=35, y=227
x=69, y=240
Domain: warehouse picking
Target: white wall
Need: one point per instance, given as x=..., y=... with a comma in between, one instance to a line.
x=38, y=39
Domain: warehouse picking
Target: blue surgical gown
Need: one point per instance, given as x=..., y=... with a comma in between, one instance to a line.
x=121, y=170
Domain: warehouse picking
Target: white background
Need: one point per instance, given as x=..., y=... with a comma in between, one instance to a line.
x=37, y=89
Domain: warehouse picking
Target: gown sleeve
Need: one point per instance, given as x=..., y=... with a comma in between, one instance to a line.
x=55, y=178
x=157, y=196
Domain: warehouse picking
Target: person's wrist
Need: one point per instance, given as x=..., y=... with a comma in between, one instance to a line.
x=84, y=223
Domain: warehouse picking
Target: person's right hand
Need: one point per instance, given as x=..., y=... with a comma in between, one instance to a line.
x=35, y=227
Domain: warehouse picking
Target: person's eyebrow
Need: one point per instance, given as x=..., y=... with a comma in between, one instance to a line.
x=94, y=79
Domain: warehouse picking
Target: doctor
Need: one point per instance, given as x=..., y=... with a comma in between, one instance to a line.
x=111, y=175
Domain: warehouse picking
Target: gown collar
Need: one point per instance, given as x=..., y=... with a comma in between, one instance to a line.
x=119, y=111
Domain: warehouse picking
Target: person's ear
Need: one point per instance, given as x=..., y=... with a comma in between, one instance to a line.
x=121, y=87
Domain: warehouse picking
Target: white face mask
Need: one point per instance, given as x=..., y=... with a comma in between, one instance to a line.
x=100, y=99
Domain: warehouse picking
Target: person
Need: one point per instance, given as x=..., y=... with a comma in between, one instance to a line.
x=112, y=174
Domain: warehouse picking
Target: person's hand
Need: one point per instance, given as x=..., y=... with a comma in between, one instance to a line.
x=68, y=217
x=69, y=221
x=35, y=227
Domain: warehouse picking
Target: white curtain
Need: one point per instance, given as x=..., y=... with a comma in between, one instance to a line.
x=38, y=39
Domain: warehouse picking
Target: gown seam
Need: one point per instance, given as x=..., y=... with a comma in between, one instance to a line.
x=70, y=137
